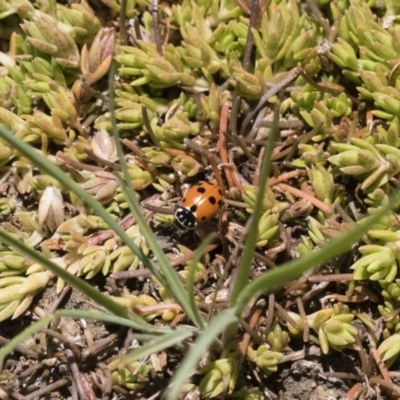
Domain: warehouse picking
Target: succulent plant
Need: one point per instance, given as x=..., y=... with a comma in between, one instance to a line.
x=198, y=88
x=17, y=292
x=220, y=377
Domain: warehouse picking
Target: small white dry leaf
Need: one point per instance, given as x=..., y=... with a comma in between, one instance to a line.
x=51, y=208
x=103, y=145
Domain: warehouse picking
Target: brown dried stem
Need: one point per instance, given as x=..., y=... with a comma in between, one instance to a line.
x=313, y=200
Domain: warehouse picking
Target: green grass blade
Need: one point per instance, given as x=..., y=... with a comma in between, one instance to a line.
x=246, y=261
x=25, y=334
x=169, y=279
x=173, y=338
x=51, y=169
x=112, y=319
x=279, y=276
x=191, y=278
x=205, y=339
x=79, y=284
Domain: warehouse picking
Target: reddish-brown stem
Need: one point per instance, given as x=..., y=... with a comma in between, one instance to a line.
x=156, y=308
x=286, y=176
x=256, y=175
x=303, y=315
x=158, y=209
x=42, y=391
x=223, y=144
x=76, y=164
x=381, y=365
x=313, y=200
x=354, y=391
x=234, y=173
x=331, y=278
x=244, y=344
x=145, y=272
x=212, y=159
x=177, y=152
x=393, y=390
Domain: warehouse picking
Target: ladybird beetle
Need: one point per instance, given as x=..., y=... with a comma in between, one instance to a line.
x=200, y=203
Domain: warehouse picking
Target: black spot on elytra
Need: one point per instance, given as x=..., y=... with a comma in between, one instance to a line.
x=193, y=209
x=184, y=200
x=212, y=200
x=203, y=218
x=201, y=189
x=220, y=203
x=220, y=192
